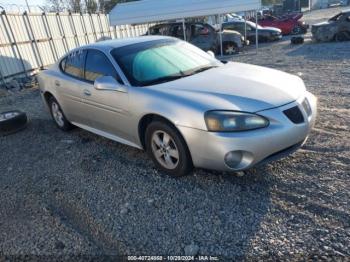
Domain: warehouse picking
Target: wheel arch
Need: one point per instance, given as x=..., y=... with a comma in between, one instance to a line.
x=151, y=117
x=47, y=95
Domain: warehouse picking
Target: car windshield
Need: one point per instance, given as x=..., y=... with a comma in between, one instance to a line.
x=335, y=18
x=159, y=61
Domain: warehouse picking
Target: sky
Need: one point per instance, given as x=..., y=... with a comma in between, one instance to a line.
x=22, y=2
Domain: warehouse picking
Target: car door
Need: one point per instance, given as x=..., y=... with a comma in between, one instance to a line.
x=108, y=110
x=69, y=86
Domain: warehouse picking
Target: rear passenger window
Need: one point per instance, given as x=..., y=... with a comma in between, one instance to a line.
x=74, y=64
x=97, y=65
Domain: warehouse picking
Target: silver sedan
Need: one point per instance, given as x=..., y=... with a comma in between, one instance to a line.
x=178, y=103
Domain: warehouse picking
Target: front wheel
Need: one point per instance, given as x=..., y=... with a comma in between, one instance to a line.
x=167, y=149
x=230, y=48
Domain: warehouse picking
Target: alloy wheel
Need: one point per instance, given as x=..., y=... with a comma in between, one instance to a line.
x=57, y=114
x=230, y=49
x=165, y=150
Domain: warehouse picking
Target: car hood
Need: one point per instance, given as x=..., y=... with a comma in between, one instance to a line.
x=269, y=29
x=230, y=32
x=322, y=24
x=236, y=86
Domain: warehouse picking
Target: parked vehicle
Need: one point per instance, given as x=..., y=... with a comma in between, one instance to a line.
x=265, y=34
x=289, y=24
x=181, y=105
x=203, y=36
x=232, y=18
x=335, y=29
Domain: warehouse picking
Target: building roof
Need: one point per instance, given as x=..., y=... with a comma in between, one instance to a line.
x=148, y=11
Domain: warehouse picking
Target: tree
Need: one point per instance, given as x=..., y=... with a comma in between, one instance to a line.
x=55, y=6
x=106, y=6
x=91, y=6
x=75, y=6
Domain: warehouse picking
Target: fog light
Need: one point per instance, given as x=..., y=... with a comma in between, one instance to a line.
x=233, y=158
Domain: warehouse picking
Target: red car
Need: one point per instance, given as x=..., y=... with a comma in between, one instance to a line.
x=289, y=24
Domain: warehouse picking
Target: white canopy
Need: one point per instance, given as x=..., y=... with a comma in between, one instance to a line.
x=148, y=11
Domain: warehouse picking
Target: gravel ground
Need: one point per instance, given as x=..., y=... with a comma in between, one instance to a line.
x=77, y=194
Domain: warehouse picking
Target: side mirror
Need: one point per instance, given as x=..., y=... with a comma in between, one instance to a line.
x=108, y=83
x=211, y=53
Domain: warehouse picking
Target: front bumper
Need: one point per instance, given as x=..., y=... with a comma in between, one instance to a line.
x=279, y=139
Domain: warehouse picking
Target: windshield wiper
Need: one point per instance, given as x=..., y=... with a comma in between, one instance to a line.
x=163, y=79
x=202, y=69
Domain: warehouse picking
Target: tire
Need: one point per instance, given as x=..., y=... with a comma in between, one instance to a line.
x=342, y=36
x=230, y=48
x=12, y=121
x=297, y=40
x=58, y=115
x=167, y=149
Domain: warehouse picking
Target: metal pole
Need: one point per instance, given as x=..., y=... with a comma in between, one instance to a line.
x=84, y=28
x=71, y=23
x=184, y=28
x=33, y=40
x=108, y=25
x=49, y=35
x=28, y=6
x=245, y=26
x=256, y=31
x=93, y=26
x=220, y=35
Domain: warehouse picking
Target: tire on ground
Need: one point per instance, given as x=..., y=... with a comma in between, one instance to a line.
x=12, y=121
x=229, y=48
x=342, y=36
x=184, y=166
x=65, y=125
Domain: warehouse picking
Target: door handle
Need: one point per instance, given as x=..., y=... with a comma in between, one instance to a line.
x=57, y=83
x=87, y=92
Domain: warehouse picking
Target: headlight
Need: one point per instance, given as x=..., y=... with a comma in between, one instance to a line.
x=230, y=121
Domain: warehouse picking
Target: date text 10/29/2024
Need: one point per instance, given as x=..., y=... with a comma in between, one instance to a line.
x=172, y=258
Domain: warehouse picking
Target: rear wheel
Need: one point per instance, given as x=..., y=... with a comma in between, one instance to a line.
x=58, y=115
x=167, y=149
x=342, y=36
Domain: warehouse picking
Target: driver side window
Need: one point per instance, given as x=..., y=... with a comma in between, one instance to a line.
x=97, y=64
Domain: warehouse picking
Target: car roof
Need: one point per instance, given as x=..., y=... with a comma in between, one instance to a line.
x=116, y=43
x=178, y=23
